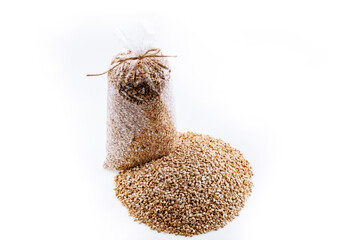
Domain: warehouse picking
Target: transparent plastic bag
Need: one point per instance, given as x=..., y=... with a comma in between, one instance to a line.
x=140, y=121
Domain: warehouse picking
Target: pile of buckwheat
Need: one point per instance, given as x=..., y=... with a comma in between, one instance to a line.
x=199, y=187
x=180, y=183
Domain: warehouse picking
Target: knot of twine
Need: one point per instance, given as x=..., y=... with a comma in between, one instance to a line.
x=151, y=53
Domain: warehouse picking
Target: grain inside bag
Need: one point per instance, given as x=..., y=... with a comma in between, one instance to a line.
x=140, y=121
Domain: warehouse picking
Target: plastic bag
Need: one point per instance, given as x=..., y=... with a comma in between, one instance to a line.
x=140, y=121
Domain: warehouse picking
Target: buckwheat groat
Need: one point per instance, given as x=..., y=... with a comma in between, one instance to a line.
x=199, y=187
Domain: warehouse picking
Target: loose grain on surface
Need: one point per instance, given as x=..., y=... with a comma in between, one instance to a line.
x=199, y=187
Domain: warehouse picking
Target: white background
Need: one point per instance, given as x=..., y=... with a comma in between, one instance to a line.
x=279, y=80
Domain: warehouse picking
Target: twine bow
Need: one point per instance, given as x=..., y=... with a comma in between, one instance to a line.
x=151, y=53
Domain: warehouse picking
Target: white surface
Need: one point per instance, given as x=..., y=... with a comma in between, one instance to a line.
x=277, y=79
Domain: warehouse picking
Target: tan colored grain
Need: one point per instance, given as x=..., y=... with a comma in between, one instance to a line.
x=140, y=122
x=198, y=187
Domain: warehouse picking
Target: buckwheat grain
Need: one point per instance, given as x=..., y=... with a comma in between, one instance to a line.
x=198, y=187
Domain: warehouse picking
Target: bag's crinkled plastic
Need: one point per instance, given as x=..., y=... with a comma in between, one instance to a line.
x=140, y=122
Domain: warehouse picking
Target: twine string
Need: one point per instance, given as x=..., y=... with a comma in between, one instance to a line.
x=151, y=53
